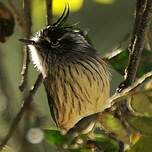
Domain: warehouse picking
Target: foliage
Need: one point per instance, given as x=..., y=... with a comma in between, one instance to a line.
x=120, y=61
x=55, y=138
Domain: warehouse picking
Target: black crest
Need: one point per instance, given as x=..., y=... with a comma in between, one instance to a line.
x=63, y=18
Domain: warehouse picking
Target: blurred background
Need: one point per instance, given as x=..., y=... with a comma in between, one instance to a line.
x=107, y=23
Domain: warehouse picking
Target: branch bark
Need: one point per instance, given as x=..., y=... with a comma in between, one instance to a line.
x=26, y=58
x=142, y=21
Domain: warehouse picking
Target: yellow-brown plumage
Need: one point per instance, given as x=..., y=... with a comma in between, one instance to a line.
x=75, y=77
x=78, y=89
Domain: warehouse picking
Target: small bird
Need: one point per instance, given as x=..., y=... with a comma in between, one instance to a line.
x=76, y=78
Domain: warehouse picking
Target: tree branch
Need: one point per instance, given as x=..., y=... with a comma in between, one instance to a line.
x=129, y=90
x=142, y=21
x=26, y=103
x=141, y=26
x=8, y=94
x=26, y=58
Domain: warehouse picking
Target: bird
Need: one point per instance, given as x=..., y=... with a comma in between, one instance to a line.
x=76, y=78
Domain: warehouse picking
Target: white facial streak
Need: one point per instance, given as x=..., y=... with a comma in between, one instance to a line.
x=36, y=58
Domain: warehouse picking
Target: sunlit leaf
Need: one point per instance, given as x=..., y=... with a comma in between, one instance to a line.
x=149, y=85
x=143, y=145
x=105, y=1
x=112, y=124
x=141, y=124
x=59, y=5
x=54, y=137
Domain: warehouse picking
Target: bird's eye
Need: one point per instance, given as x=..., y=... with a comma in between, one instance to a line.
x=55, y=44
x=45, y=33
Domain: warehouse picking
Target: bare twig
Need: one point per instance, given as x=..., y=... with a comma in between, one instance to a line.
x=26, y=60
x=26, y=103
x=8, y=94
x=49, y=11
x=142, y=21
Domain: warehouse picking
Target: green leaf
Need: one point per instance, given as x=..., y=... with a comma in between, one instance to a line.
x=142, y=124
x=54, y=137
x=101, y=142
x=81, y=150
x=144, y=144
x=108, y=145
x=145, y=63
x=113, y=125
x=119, y=61
x=141, y=103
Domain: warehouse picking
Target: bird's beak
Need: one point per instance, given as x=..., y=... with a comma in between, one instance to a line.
x=28, y=41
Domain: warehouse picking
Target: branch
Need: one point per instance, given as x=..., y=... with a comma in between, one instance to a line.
x=49, y=11
x=8, y=94
x=26, y=60
x=129, y=90
x=26, y=103
x=142, y=21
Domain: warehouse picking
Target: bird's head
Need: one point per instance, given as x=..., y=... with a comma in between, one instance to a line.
x=60, y=39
